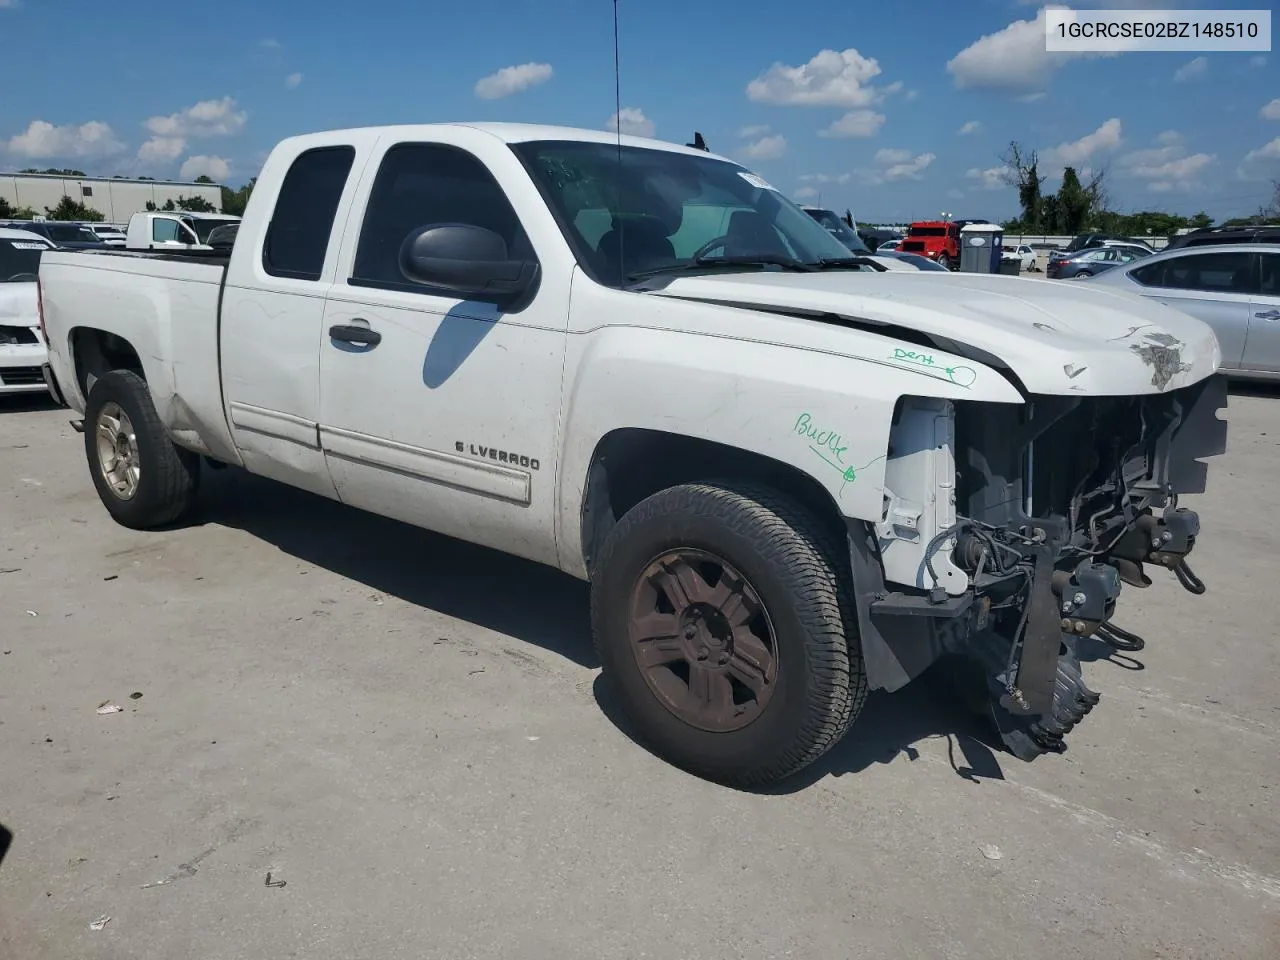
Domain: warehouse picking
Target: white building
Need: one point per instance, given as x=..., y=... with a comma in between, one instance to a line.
x=116, y=199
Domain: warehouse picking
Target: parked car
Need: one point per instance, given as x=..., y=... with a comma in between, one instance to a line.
x=1023, y=253
x=1235, y=288
x=1090, y=262
x=889, y=246
x=836, y=226
x=68, y=236
x=23, y=355
x=1262, y=233
x=787, y=479
x=1084, y=241
x=108, y=233
x=911, y=259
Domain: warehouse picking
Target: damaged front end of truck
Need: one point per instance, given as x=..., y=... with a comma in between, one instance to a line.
x=1057, y=504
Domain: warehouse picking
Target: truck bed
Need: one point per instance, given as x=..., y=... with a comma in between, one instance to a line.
x=166, y=306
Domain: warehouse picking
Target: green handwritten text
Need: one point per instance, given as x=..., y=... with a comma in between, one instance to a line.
x=960, y=376
x=827, y=440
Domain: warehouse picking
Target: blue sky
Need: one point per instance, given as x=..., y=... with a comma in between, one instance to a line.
x=896, y=110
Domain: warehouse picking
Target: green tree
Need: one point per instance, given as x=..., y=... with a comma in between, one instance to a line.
x=57, y=171
x=1050, y=216
x=1201, y=221
x=203, y=178
x=68, y=209
x=234, y=201
x=1073, y=203
x=1022, y=172
x=196, y=205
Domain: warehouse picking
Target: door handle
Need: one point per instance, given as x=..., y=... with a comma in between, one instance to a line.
x=1268, y=315
x=352, y=333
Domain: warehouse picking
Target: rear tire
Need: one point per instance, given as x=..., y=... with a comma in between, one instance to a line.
x=778, y=582
x=945, y=262
x=1082, y=275
x=142, y=478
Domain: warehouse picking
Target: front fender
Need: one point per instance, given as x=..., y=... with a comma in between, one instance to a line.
x=826, y=414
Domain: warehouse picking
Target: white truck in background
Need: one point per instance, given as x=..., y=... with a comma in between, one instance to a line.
x=175, y=232
x=789, y=477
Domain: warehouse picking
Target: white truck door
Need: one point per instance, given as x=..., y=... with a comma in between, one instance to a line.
x=439, y=411
x=272, y=309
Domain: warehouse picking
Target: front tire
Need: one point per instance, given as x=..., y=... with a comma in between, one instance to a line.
x=724, y=619
x=945, y=262
x=1082, y=275
x=142, y=478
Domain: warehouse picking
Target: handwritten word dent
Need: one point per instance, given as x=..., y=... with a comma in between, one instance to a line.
x=960, y=376
x=921, y=358
x=828, y=439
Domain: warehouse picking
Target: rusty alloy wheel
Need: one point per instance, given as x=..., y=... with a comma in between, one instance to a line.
x=703, y=640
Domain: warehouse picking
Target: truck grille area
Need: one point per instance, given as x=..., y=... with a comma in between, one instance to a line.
x=21, y=376
x=1063, y=500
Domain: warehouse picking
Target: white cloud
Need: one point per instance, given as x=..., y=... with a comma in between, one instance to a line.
x=954, y=194
x=767, y=148
x=992, y=178
x=208, y=118
x=893, y=165
x=269, y=43
x=513, y=79
x=973, y=126
x=1074, y=153
x=1258, y=60
x=8, y=3
x=1032, y=97
x=1260, y=164
x=633, y=122
x=215, y=168
x=43, y=140
x=161, y=150
x=1011, y=59
x=912, y=94
x=293, y=81
x=841, y=179
x=855, y=123
x=830, y=79
x=805, y=193
x=1167, y=167
x=1271, y=111
x=756, y=130
x=1191, y=70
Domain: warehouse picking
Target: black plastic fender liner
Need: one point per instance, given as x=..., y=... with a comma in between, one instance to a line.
x=895, y=648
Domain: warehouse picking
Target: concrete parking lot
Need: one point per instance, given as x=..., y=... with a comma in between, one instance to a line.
x=407, y=734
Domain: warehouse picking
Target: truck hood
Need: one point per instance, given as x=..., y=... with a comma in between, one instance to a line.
x=1054, y=337
x=18, y=305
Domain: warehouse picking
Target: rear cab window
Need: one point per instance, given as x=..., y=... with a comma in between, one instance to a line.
x=19, y=259
x=298, y=235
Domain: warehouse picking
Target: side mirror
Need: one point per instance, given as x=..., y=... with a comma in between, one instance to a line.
x=466, y=260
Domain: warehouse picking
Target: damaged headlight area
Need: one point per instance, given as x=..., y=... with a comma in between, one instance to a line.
x=1054, y=506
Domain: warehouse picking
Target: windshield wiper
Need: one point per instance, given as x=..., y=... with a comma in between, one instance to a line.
x=747, y=260
x=837, y=262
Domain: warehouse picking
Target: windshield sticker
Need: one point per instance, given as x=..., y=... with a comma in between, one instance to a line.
x=23, y=245
x=960, y=376
x=758, y=182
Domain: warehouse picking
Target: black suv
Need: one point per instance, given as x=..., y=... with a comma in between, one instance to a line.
x=1262, y=233
x=1086, y=241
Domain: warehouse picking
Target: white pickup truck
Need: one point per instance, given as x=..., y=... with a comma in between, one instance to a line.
x=788, y=477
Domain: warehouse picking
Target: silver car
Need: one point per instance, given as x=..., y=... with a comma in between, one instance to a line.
x=1235, y=288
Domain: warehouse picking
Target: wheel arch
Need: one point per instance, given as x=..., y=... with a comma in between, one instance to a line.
x=629, y=464
x=95, y=351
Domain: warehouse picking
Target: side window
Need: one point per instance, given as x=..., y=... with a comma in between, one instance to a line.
x=1271, y=274
x=420, y=184
x=1212, y=273
x=1152, y=275
x=164, y=230
x=298, y=235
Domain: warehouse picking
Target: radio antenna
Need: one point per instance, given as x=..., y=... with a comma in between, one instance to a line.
x=617, y=126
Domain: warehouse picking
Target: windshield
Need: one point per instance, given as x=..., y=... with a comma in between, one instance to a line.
x=633, y=209
x=927, y=232
x=70, y=233
x=839, y=229
x=19, y=259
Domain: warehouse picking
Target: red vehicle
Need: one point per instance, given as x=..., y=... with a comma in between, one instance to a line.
x=936, y=239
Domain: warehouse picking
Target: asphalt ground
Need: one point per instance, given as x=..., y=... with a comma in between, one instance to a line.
x=408, y=734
